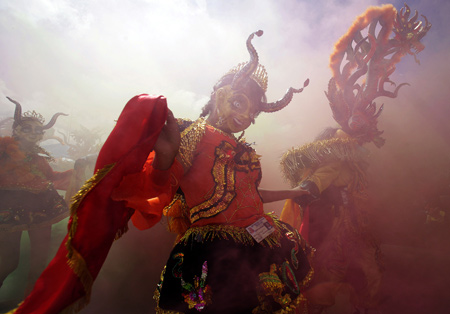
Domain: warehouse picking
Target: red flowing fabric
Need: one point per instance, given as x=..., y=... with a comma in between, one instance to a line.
x=148, y=192
x=98, y=217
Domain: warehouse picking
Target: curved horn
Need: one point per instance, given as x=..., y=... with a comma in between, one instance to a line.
x=424, y=29
x=407, y=12
x=53, y=120
x=17, y=112
x=283, y=102
x=250, y=67
x=414, y=18
x=393, y=94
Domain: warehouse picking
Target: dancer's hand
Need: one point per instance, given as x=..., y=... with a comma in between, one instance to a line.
x=299, y=191
x=167, y=145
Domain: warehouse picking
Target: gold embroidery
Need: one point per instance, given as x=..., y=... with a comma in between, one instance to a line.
x=228, y=160
x=230, y=156
x=224, y=191
x=271, y=289
x=307, y=280
x=299, y=305
x=190, y=137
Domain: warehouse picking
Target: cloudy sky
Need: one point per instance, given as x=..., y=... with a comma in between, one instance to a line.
x=88, y=58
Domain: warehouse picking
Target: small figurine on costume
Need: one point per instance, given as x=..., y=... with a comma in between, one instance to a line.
x=230, y=256
x=334, y=217
x=29, y=200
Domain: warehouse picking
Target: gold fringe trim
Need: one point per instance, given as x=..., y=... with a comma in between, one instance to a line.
x=296, y=160
x=237, y=234
x=88, y=186
x=14, y=310
x=75, y=259
x=75, y=307
x=79, y=267
x=308, y=278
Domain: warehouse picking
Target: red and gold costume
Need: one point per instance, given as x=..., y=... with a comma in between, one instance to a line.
x=217, y=199
x=221, y=171
x=28, y=188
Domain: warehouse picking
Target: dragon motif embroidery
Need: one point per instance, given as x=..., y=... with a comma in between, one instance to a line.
x=228, y=160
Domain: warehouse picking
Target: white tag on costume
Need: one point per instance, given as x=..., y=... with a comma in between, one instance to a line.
x=260, y=229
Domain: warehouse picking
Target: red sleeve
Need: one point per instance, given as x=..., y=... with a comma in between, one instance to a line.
x=148, y=192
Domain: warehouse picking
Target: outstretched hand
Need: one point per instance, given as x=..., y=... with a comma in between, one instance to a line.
x=302, y=193
x=168, y=143
x=269, y=196
x=299, y=191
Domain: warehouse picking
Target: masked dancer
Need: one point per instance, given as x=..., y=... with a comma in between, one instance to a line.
x=28, y=197
x=230, y=256
x=334, y=216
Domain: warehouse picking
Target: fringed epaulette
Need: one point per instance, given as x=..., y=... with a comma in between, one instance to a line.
x=191, y=134
x=296, y=160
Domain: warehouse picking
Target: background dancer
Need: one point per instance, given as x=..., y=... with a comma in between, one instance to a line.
x=334, y=217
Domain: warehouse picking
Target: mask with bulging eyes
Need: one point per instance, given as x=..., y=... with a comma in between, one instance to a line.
x=235, y=110
x=30, y=131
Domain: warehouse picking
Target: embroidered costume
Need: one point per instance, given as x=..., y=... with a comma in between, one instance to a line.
x=28, y=197
x=217, y=199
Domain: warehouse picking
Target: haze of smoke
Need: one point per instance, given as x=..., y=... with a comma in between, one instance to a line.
x=89, y=58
